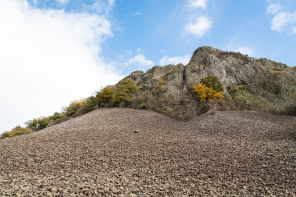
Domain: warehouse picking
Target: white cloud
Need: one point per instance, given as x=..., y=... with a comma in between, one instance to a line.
x=273, y=8
x=139, y=61
x=282, y=21
x=294, y=30
x=47, y=59
x=62, y=1
x=174, y=60
x=245, y=50
x=101, y=6
x=197, y=3
x=200, y=26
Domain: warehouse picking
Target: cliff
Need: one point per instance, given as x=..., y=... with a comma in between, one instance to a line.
x=249, y=83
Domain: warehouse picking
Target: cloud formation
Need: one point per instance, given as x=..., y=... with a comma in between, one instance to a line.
x=199, y=27
x=100, y=6
x=62, y=1
x=174, y=60
x=47, y=59
x=139, y=61
x=197, y=3
x=282, y=21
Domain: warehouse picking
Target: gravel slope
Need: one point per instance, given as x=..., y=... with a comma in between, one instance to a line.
x=98, y=154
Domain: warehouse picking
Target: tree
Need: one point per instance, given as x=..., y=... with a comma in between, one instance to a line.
x=209, y=90
x=124, y=89
x=213, y=82
x=105, y=95
x=74, y=107
x=207, y=93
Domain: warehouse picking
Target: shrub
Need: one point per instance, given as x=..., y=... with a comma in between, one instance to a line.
x=55, y=116
x=105, y=95
x=124, y=89
x=142, y=106
x=74, y=107
x=213, y=82
x=4, y=135
x=206, y=93
x=38, y=124
x=19, y=131
x=89, y=105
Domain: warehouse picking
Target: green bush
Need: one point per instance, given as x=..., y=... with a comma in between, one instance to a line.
x=105, y=95
x=38, y=124
x=4, y=135
x=74, y=107
x=55, y=116
x=124, y=89
x=212, y=81
x=17, y=131
x=142, y=106
x=89, y=105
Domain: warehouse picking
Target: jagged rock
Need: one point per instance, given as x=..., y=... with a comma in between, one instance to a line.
x=248, y=82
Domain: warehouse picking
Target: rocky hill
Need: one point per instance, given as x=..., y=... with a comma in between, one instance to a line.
x=249, y=83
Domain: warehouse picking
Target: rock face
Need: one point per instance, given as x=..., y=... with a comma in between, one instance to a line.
x=249, y=83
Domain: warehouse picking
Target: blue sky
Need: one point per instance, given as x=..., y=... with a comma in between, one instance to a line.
x=56, y=51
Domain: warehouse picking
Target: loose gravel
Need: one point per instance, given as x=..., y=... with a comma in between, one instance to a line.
x=127, y=152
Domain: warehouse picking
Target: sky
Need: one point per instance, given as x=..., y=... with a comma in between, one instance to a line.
x=53, y=52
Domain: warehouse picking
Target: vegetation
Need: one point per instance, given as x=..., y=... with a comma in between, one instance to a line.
x=210, y=89
x=142, y=106
x=105, y=95
x=110, y=96
x=161, y=85
x=123, y=92
x=207, y=93
x=17, y=131
x=246, y=100
x=4, y=135
x=213, y=82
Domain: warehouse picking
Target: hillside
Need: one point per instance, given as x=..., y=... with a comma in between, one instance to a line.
x=99, y=154
x=245, y=83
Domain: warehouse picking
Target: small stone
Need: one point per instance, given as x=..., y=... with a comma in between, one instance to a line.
x=136, y=131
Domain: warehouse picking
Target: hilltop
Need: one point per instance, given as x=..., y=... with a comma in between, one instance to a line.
x=249, y=84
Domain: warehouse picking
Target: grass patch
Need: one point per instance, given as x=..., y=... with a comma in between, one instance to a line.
x=247, y=100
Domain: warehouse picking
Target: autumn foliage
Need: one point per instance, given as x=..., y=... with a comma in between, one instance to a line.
x=210, y=89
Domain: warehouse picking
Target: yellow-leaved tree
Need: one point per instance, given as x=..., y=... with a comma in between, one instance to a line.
x=209, y=90
x=207, y=93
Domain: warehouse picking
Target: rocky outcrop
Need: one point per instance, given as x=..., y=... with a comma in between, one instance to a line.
x=249, y=83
